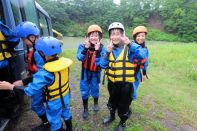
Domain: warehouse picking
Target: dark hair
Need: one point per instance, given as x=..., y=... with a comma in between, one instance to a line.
x=100, y=34
x=121, y=30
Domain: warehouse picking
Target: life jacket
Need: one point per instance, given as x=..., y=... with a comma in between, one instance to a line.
x=120, y=69
x=32, y=68
x=4, y=51
x=139, y=63
x=89, y=63
x=60, y=87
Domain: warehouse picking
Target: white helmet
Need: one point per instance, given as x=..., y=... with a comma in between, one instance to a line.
x=116, y=25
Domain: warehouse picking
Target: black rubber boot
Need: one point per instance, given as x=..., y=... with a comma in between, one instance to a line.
x=122, y=122
x=95, y=107
x=45, y=126
x=69, y=124
x=85, y=112
x=110, y=118
x=120, y=127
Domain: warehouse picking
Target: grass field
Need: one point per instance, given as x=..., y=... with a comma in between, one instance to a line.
x=166, y=101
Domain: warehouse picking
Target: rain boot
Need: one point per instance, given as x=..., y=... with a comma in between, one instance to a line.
x=85, y=112
x=69, y=124
x=45, y=126
x=120, y=127
x=95, y=107
x=110, y=118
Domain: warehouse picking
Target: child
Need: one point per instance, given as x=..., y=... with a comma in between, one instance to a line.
x=119, y=64
x=89, y=53
x=29, y=33
x=139, y=36
x=53, y=80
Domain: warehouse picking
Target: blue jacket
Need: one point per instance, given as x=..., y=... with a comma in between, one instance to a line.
x=10, y=35
x=81, y=57
x=41, y=79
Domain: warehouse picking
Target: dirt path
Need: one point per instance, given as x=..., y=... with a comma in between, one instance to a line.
x=28, y=119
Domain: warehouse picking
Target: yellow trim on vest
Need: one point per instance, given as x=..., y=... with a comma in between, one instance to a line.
x=3, y=45
x=58, y=65
x=2, y=38
x=115, y=73
x=61, y=74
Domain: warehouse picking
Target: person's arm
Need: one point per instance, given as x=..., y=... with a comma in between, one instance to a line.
x=10, y=35
x=104, y=59
x=136, y=51
x=81, y=52
x=40, y=80
x=101, y=62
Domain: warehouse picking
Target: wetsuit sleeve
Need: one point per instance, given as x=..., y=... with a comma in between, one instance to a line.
x=99, y=54
x=104, y=59
x=136, y=51
x=40, y=80
x=81, y=52
x=10, y=35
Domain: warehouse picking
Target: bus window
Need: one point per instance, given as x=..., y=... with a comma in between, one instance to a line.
x=43, y=25
x=16, y=11
x=30, y=11
x=1, y=13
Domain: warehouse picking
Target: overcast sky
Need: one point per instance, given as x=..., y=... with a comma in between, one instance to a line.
x=117, y=1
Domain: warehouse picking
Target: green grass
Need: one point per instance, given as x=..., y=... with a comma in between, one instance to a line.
x=166, y=101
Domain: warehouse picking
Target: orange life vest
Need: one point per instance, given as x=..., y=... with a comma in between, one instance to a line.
x=140, y=63
x=89, y=63
x=31, y=62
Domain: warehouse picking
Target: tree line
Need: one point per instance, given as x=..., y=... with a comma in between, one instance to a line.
x=169, y=20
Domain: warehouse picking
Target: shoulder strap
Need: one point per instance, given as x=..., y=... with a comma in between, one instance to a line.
x=124, y=62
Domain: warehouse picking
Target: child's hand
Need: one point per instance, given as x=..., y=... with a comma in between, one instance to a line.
x=109, y=46
x=86, y=43
x=4, y=85
x=18, y=83
x=97, y=45
x=125, y=40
